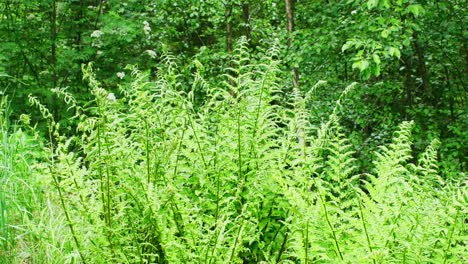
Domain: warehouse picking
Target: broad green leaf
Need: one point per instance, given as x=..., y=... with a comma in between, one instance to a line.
x=361, y=65
x=406, y=42
x=372, y=3
x=384, y=33
x=366, y=74
x=346, y=46
x=386, y=3
x=394, y=52
x=415, y=9
x=376, y=70
x=376, y=58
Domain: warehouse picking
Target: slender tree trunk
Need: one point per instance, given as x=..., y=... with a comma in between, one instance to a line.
x=345, y=70
x=246, y=17
x=53, y=58
x=408, y=84
x=451, y=101
x=422, y=70
x=98, y=14
x=290, y=16
x=80, y=26
x=228, y=27
x=228, y=15
x=407, y=62
x=295, y=71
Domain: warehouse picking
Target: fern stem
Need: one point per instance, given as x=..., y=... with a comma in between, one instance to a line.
x=175, y=209
x=306, y=246
x=239, y=147
x=108, y=189
x=449, y=242
x=363, y=221
x=67, y=216
x=394, y=225
x=198, y=142
x=147, y=148
x=283, y=246
x=215, y=235
x=331, y=227
x=259, y=103
x=101, y=177
x=216, y=238
x=62, y=200
x=239, y=231
x=105, y=189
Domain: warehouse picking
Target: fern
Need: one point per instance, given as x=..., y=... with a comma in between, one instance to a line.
x=154, y=176
x=428, y=168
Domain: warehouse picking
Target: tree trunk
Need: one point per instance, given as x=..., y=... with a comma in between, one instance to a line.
x=53, y=59
x=422, y=70
x=246, y=17
x=98, y=15
x=290, y=16
x=228, y=15
x=228, y=27
x=53, y=49
x=407, y=62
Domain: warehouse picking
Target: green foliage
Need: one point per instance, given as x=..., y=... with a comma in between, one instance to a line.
x=407, y=55
x=202, y=153
x=152, y=177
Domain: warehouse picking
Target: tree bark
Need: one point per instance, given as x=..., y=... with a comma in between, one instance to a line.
x=228, y=15
x=422, y=70
x=228, y=27
x=53, y=48
x=53, y=59
x=290, y=15
x=246, y=16
x=98, y=14
x=407, y=62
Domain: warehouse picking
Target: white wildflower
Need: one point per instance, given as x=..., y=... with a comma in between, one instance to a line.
x=151, y=53
x=146, y=27
x=111, y=97
x=99, y=52
x=353, y=12
x=96, y=34
x=121, y=75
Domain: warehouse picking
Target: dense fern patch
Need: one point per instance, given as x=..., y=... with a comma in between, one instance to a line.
x=153, y=177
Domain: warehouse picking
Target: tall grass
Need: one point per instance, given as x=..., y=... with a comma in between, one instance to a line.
x=30, y=222
x=151, y=177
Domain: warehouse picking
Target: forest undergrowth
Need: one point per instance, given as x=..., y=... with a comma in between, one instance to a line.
x=150, y=176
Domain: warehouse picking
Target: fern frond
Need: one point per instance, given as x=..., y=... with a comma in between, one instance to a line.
x=428, y=167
